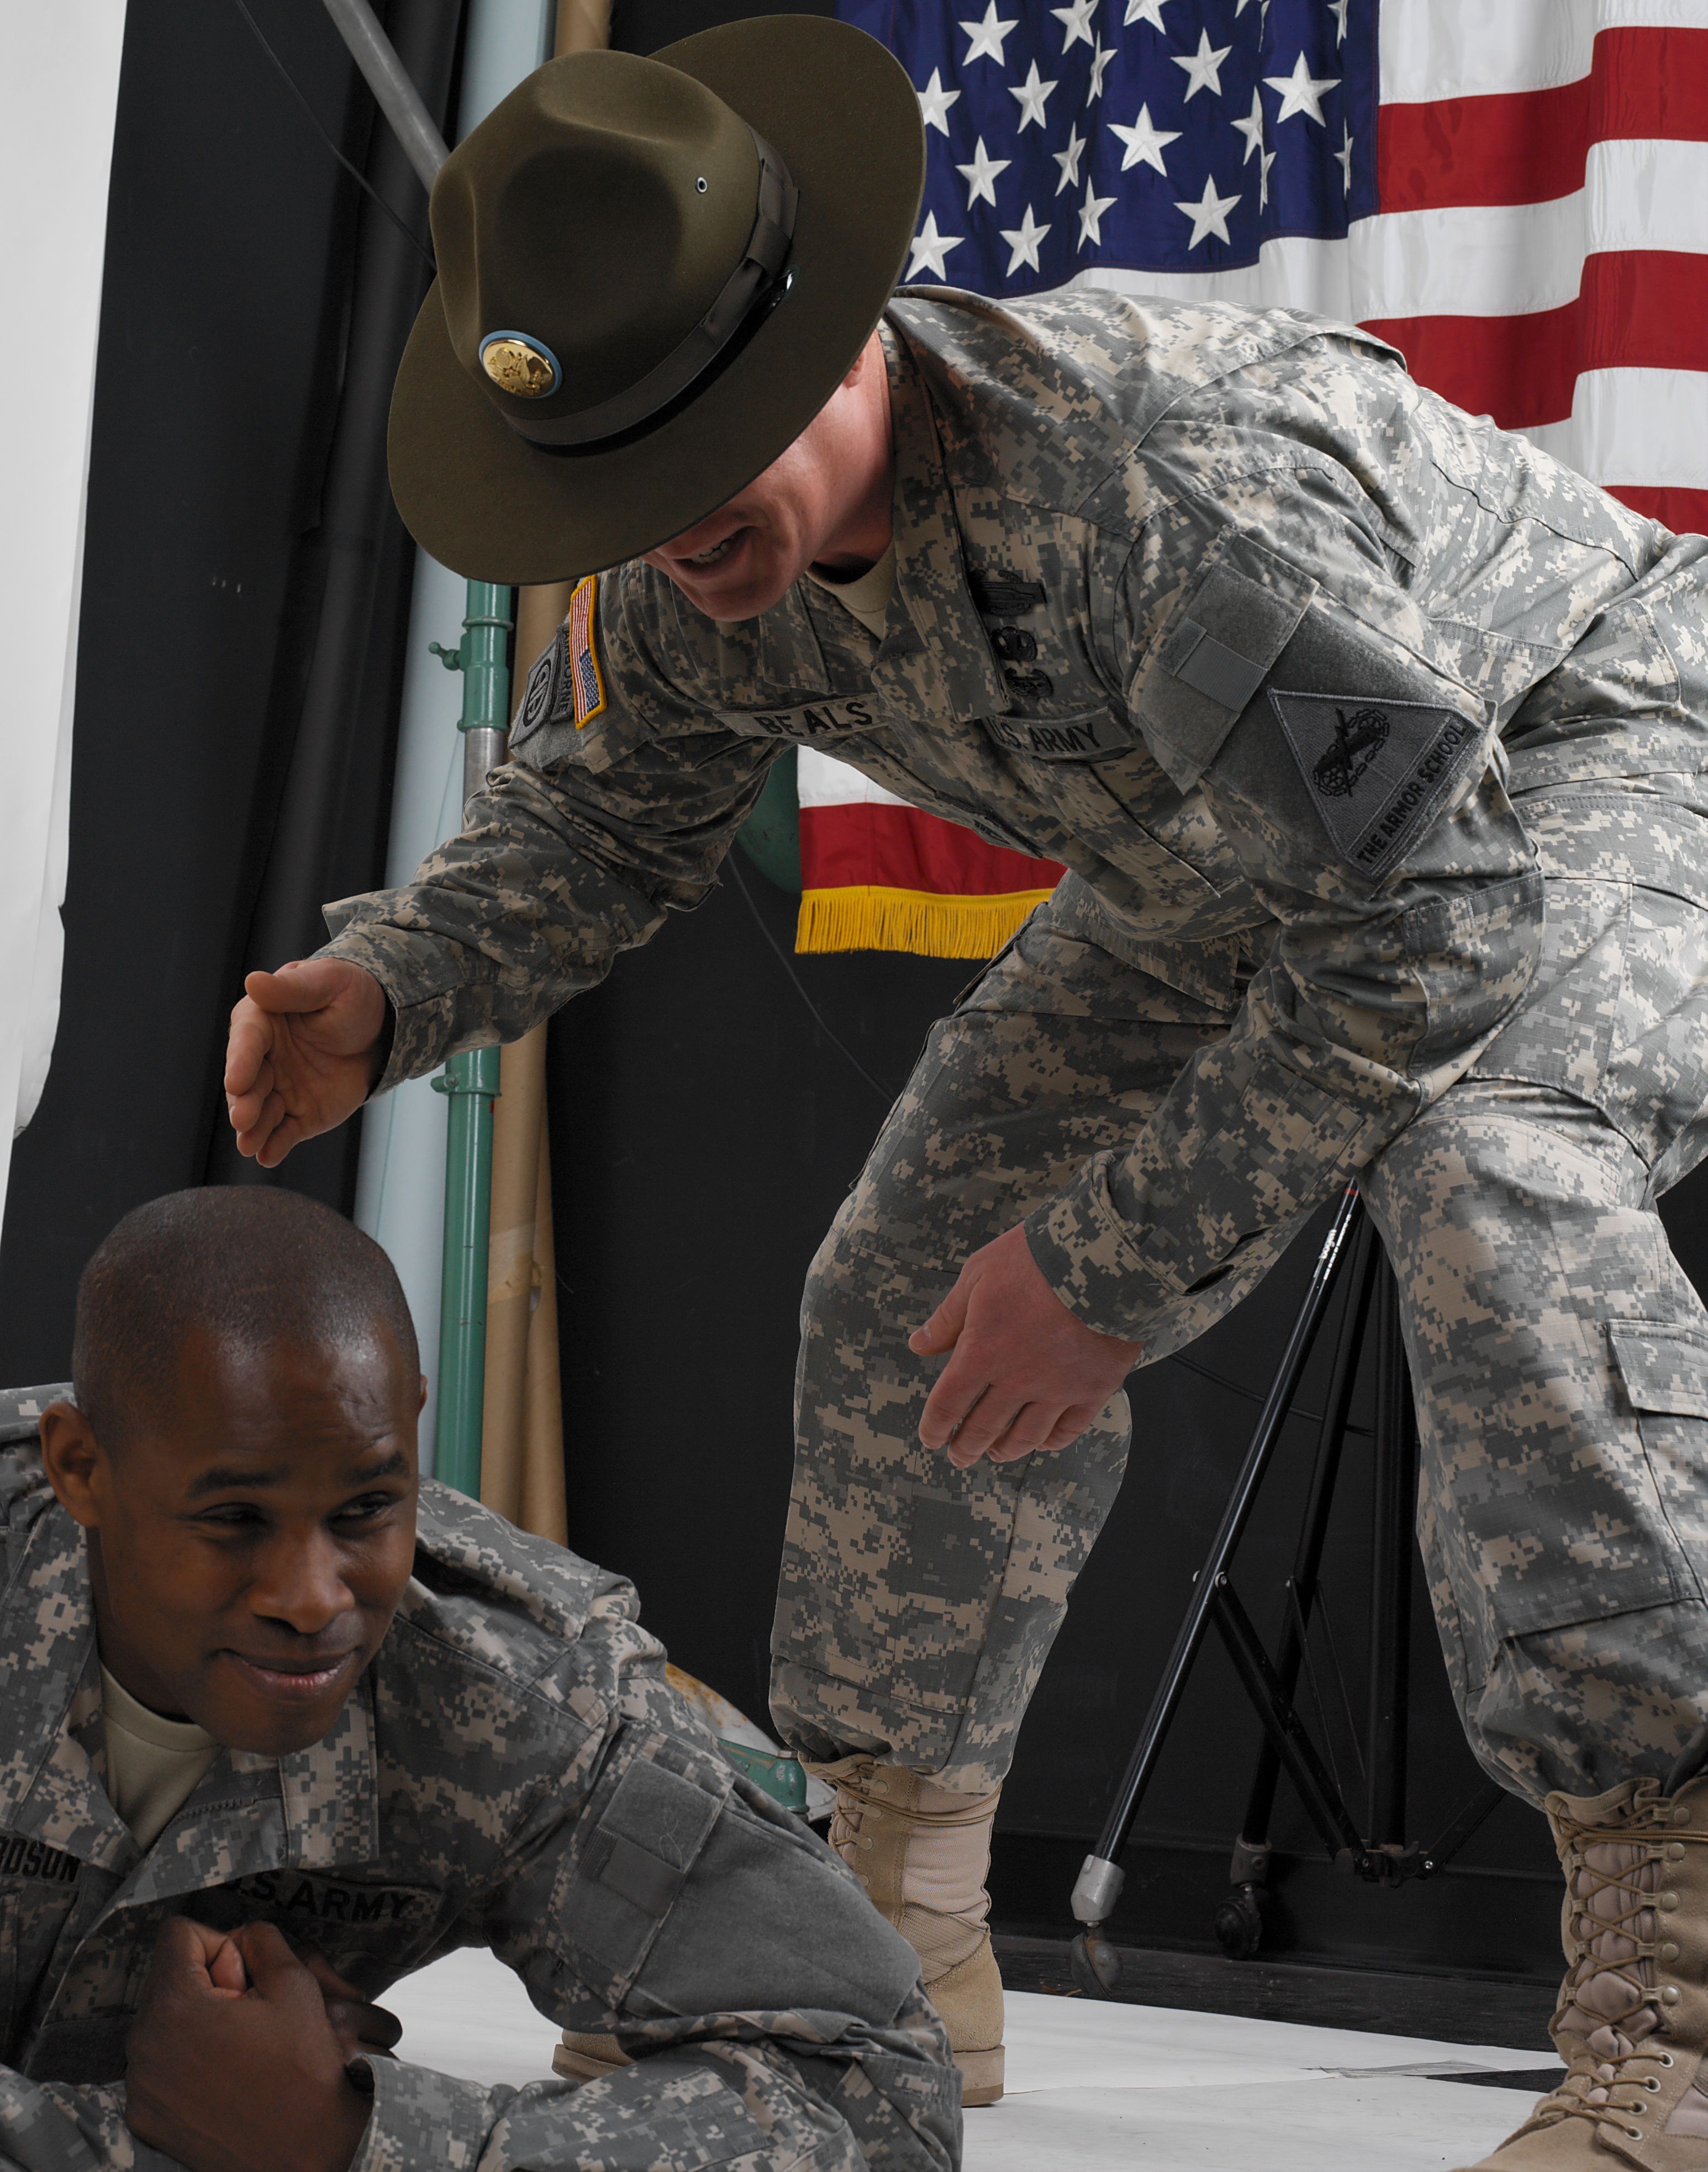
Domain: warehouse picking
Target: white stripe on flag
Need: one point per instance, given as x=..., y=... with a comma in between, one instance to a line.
x=821, y=781
x=1475, y=261
x=1439, y=49
x=1647, y=427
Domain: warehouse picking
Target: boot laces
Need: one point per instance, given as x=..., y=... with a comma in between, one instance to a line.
x=942, y=1940
x=855, y=1796
x=1608, y=2001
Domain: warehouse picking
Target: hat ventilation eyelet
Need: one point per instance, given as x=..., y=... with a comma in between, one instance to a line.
x=700, y=184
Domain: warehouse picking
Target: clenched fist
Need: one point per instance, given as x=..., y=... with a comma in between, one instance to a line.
x=303, y=1055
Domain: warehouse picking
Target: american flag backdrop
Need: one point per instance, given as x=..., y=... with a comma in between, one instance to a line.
x=1513, y=193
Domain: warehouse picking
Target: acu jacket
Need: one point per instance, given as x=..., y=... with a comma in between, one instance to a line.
x=1220, y=608
x=513, y=1770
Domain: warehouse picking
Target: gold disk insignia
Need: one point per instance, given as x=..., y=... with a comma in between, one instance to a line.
x=519, y=365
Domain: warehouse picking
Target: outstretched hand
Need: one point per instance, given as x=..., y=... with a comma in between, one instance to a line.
x=1025, y=1373
x=303, y=1053
x=236, y=2059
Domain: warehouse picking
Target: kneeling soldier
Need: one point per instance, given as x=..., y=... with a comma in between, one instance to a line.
x=281, y=1724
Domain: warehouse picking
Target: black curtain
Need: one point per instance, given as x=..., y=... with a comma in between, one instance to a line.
x=319, y=824
x=245, y=592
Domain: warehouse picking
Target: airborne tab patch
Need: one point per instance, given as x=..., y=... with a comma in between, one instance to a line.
x=586, y=679
x=1376, y=770
x=544, y=691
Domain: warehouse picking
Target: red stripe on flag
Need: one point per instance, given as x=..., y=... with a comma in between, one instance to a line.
x=903, y=848
x=1683, y=511
x=1530, y=146
x=1636, y=309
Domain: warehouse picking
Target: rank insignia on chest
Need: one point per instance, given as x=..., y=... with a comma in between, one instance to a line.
x=587, y=681
x=1000, y=594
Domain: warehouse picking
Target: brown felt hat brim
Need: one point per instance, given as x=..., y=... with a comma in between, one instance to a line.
x=492, y=507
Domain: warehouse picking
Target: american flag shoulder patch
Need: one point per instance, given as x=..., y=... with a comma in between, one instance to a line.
x=586, y=680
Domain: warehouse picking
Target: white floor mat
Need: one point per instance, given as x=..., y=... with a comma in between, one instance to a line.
x=1095, y=2087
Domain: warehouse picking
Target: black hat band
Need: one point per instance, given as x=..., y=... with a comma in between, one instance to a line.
x=761, y=261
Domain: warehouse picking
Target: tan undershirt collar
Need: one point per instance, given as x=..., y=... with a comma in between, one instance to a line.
x=153, y=1765
x=867, y=595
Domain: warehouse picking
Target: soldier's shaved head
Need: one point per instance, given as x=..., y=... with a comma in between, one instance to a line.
x=241, y=1456
x=239, y=1267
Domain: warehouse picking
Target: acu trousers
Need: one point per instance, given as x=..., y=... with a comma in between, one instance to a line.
x=1559, y=1355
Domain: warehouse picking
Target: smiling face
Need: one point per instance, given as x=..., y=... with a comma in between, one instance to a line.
x=825, y=501
x=251, y=1539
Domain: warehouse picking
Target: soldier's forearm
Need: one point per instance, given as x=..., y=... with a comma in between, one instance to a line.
x=528, y=907
x=659, y=2110
x=1157, y=1244
x=50, y=2126
x=463, y=963
x=1334, y=1053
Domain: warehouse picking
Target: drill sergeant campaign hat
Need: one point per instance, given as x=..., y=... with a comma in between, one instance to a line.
x=653, y=273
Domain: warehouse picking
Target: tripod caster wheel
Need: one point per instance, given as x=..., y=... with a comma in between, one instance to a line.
x=1097, y=1966
x=1240, y=1923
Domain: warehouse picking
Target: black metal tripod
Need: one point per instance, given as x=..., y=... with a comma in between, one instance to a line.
x=1378, y=1851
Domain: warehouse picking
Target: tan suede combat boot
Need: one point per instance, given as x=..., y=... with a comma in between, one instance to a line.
x=923, y=1853
x=1632, y=2024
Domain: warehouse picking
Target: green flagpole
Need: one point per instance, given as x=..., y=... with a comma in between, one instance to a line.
x=470, y=1080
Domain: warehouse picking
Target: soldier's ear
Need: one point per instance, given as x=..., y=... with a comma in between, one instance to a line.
x=870, y=356
x=73, y=1459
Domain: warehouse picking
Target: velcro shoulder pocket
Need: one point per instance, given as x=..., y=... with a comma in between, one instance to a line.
x=1218, y=646
x=634, y=1865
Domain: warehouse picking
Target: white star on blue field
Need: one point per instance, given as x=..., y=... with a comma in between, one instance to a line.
x=1156, y=135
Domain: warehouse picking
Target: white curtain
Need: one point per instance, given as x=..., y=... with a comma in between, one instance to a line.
x=60, y=67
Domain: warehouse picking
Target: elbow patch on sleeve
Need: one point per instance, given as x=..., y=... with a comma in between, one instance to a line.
x=768, y=1922
x=632, y=1869
x=686, y=1900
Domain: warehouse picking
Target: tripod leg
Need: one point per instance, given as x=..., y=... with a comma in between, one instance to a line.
x=1314, y=1527
x=1239, y=1922
x=1100, y=1878
x=1393, y=1541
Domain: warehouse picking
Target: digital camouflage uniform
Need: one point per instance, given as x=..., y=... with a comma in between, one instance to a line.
x=512, y=1771
x=1374, y=741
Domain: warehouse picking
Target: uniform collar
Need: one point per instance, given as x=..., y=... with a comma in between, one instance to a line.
x=936, y=659
x=50, y=1701
x=318, y=1809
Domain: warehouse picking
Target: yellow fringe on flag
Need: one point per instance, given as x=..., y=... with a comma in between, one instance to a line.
x=865, y=917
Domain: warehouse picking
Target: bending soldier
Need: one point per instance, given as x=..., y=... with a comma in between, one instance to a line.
x=1374, y=741
x=280, y=1728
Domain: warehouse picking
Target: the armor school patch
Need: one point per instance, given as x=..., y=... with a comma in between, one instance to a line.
x=586, y=679
x=1375, y=770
